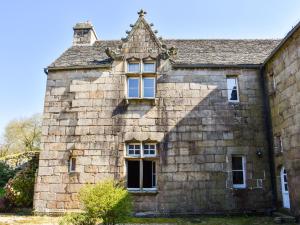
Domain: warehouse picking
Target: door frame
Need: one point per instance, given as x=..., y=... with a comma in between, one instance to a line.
x=284, y=192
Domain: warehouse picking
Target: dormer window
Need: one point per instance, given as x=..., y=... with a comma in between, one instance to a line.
x=148, y=87
x=141, y=78
x=149, y=67
x=134, y=67
x=133, y=87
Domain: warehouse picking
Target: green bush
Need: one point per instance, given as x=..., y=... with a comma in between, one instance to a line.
x=19, y=190
x=108, y=201
x=77, y=219
x=6, y=172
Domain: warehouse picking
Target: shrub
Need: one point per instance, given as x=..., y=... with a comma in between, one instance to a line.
x=6, y=173
x=19, y=190
x=107, y=200
x=77, y=219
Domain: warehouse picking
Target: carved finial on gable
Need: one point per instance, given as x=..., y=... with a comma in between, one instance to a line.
x=142, y=13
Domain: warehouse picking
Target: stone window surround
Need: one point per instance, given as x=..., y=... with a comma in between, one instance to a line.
x=244, y=170
x=72, y=164
x=141, y=63
x=140, y=87
x=233, y=76
x=140, y=158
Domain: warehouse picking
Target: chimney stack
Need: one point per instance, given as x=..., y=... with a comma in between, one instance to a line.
x=84, y=34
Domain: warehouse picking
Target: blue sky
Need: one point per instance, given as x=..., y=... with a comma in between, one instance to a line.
x=34, y=33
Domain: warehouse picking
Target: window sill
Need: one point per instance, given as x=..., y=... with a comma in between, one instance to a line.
x=141, y=73
x=143, y=192
x=234, y=102
x=153, y=101
x=73, y=173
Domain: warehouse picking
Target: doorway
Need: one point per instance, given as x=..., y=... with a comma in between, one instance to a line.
x=284, y=188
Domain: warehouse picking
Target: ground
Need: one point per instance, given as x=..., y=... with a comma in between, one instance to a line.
x=6, y=219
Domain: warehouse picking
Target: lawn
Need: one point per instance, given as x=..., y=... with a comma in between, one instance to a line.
x=6, y=219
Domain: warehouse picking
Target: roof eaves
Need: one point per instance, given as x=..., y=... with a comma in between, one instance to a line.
x=217, y=66
x=283, y=41
x=52, y=68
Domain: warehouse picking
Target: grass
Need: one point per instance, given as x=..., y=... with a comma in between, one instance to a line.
x=205, y=220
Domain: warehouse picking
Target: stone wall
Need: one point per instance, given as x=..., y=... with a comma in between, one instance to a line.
x=86, y=116
x=283, y=78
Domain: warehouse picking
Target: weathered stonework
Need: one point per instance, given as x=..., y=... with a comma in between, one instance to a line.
x=283, y=76
x=87, y=115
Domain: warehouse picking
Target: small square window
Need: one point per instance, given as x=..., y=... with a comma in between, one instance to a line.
x=133, y=68
x=149, y=149
x=232, y=89
x=133, y=87
x=238, y=171
x=72, y=164
x=133, y=149
x=149, y=68
x=149, y=87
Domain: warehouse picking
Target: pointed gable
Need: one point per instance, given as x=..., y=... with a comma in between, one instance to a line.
x=141, y=41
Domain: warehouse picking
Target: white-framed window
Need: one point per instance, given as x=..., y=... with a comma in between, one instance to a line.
x=133, y=67
x=133, y=84
x=141, y=175
x=140, y=169
x=149, y=67
x=134, y=149
x=232, y=89
x=149, y=87
x=72, y=164
x=238, y=164
x=149, y=149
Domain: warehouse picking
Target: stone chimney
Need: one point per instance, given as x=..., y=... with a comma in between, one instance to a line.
x=84, y=34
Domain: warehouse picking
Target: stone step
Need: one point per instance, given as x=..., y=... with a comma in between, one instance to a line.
x=280, y=218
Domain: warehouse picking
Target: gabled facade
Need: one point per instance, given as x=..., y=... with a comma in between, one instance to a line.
x=182, y=122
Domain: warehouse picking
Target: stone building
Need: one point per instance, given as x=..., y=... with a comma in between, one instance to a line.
x=185, y=123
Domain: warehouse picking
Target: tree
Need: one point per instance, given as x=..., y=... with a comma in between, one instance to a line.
x=22, y=135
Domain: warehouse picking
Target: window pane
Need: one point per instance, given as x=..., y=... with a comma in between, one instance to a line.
x=149, y=149
x=237, y=177
x=286, y=187
x=232, y=89
x=148, y=174
x=131, y=152
x=237, y=163
x=133, y=88
x=133, y=67
x=149, y=67
x=73, y=164
x=149, y=87
x=133, y=176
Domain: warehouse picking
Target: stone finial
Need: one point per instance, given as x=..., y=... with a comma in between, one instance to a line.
x=142, y=13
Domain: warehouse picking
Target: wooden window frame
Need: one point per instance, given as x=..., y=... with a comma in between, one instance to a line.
x=141, y=158
x=244, y=164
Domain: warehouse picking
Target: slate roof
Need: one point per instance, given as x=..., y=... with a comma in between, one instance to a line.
x=190, y=52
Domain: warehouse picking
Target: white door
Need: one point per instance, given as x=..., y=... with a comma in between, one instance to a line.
x=284, y=189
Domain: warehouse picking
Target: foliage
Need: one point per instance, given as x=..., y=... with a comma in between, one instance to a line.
x=19, y=190
x=6, y=172
x=17, y=160
x=22, y=135
x=107, y=200
x=2, y=192
x=77, y=219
